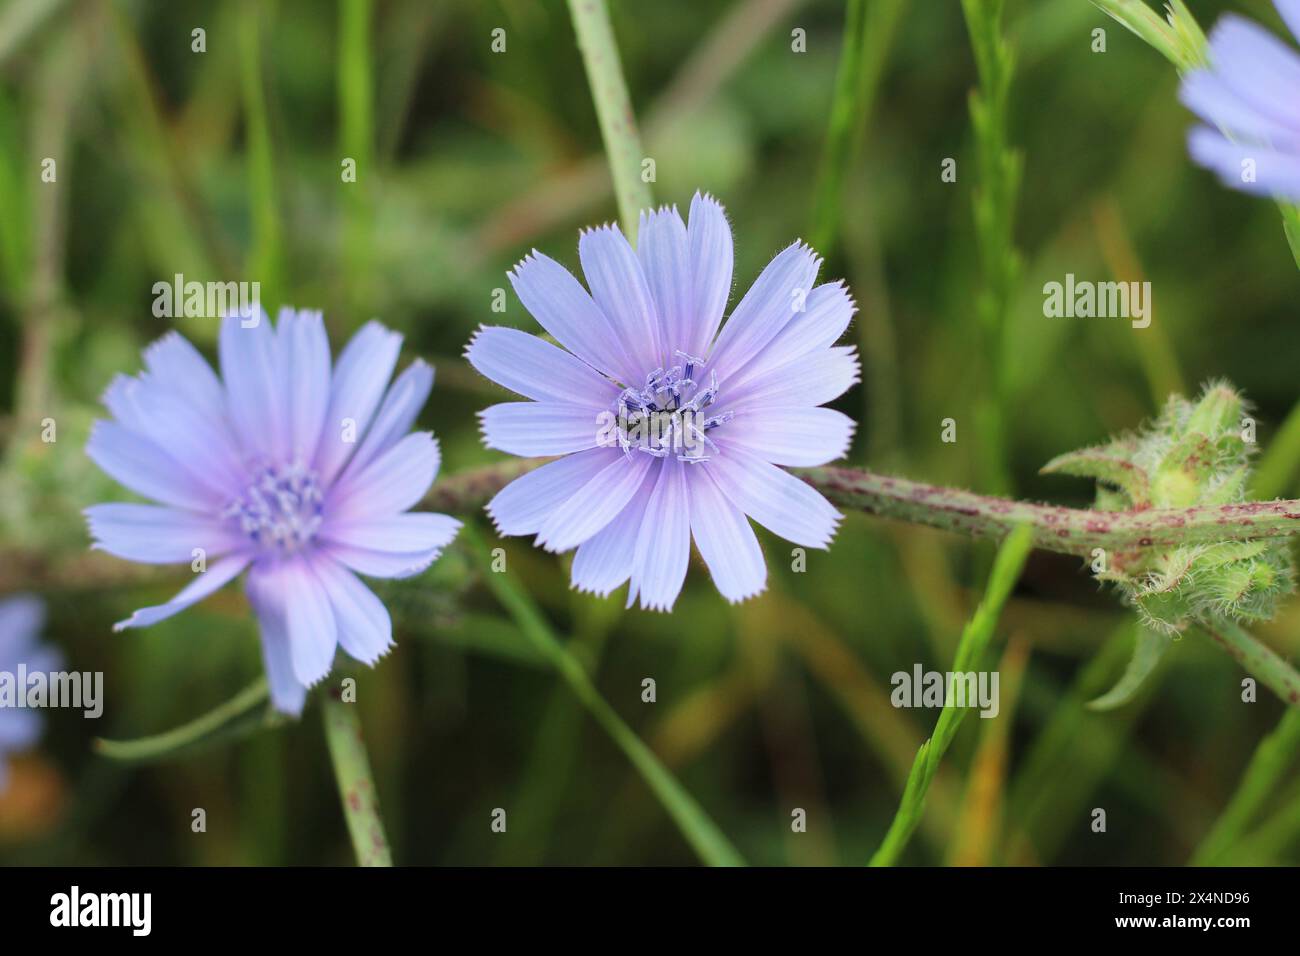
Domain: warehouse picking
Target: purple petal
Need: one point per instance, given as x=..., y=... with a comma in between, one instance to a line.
x=1290, y=13
x=725, y=540
x=619, y=288
x=1258, y=67
x=594, y=505
x=140, y=465
x=308, y=617
x=404, y=533
x=604, y=561
x=360, y=377
x=665, y=255
x=288, y=694
x=153, y=534
x=393, y=482
x=521, y=506
x=19, y=729
x=377, y=563
x=305, y=359
x=663, y=545
x=812, y=379
x=177, y=364
x=799, y=437
x=536, y=369
x=540, y=428
x=778, y=501
x=709, y=236
x=203, y=448
x=250, y=367
x=204, y=584
x=1275, y=174
x=21, y=619
x=769, y=304
x=1205, y=93
x=562, y=306
x=364, y=627
x=827, y=314
x=396, y=415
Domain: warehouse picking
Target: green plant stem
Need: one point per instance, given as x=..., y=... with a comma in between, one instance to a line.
x=971, y=652
x=1056, y=528
x=1074, y=531
x=1257, y=659
x=700, y=831
x=265, y=259
x=1147, y=24
x=1266, y=769
x=356, y=785
x=613, y=109
x=999, y=169
x=248, y=711
x=356, y=138
x=869, y=28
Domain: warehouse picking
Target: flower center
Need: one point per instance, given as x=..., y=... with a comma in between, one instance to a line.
x=280, y=509
x=667, y=416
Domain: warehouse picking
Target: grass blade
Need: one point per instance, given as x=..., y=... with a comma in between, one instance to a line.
x=868, y=32
x=971, y=649
x=1271, y=760
x=994, y=208
x=265, y=256
x=356, y=138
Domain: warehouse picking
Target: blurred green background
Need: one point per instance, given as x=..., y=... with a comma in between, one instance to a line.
x=226, y=165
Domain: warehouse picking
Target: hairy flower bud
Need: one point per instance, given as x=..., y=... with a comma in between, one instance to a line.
x=1193, y=454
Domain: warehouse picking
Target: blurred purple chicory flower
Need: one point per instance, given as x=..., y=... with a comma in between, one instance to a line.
x=1251, y=93
x=669, y=428
x=21, y=619
x=297, y=472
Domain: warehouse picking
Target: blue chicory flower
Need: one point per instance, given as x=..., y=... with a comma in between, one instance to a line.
x=668, y=428
x=21, y=619
x=1251, y=93
x=297, y=472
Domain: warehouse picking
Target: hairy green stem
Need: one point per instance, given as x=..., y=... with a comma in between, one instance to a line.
x=1057, y=528
x=613, y=110
x=1074, y=531
x=356, y=786
x=1257, y=659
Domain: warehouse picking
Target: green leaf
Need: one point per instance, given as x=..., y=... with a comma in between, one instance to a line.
x=1103, y=464
x=1269, y=769
x=247, y=712
x=1148, y=649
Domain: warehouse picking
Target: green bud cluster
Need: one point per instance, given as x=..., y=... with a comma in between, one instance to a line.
x=1194, y=453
